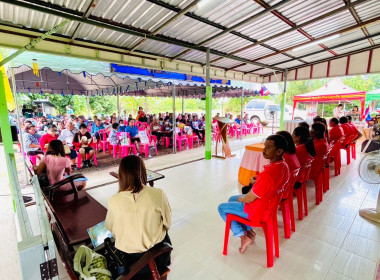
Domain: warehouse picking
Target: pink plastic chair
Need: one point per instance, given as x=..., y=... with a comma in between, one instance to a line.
x=180, y=138
x=126, y=149
x=144, y=148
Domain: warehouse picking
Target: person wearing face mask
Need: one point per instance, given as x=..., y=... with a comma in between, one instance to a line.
x=48, y=137
x=122, y=126
x=167, y=127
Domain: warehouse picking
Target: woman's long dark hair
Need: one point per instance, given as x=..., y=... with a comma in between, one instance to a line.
x=291, y=148
x=132, y=174
x=55, y=148
x=304, y=135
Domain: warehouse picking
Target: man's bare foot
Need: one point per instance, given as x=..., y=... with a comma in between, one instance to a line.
x=251, y=234
x=245, y=241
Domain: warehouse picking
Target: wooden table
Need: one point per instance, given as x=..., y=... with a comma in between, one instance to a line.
x=151, y=176
x=252, y=163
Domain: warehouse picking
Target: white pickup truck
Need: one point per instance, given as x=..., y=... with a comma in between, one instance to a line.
x=264, y=111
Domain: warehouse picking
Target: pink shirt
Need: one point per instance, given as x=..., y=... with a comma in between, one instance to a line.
x=55, y=167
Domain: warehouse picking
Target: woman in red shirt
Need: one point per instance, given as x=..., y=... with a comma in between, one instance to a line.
x=305, y=150
x=289, y=155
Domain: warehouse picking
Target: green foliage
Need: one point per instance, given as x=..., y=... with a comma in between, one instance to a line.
x=103, y=105
x=361, y=83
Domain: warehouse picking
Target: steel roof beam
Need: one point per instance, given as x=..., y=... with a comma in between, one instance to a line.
x=358, y=20
x=344, y=30
x=289, y=22
x=86, y=14
x=211, y=23
x=177, y=16
x=321, y=51
x=100, y=22
x=336, y=11
x=229, y=29
x=329, y=59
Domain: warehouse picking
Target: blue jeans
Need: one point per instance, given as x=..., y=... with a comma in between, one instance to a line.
x=236, y=208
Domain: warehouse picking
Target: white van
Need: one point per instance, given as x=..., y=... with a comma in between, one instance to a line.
x=263, y=111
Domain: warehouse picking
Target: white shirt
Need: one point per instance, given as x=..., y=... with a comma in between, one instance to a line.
x=67, y=135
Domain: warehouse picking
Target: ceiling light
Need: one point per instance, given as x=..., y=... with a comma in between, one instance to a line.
x=316, y=42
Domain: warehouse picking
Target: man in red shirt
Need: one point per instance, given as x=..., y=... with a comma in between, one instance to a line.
x=355, y=131
x=262, y=199
x=336, y=132
x=49, y=136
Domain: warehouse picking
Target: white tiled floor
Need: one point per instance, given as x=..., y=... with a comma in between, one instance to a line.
x=333, y=242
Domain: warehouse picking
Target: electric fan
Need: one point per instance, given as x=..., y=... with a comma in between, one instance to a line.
x=369, y=172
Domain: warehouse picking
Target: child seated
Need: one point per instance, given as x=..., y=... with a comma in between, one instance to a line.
x=113, y=134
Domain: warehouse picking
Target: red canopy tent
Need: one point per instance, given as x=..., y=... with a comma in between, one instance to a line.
x=332, y=92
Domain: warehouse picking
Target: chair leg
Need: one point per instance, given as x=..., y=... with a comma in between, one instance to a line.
x=79, y=160
x=146, y=151
x=348, y=155
x=291, y=210
x=227, y=235
x=304, y=198
x=286, y=217
x=299, y=203
x=268, y=231
x=275, y=236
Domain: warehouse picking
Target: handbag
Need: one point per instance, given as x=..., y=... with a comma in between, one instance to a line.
x=116, y=262
x=90, y=265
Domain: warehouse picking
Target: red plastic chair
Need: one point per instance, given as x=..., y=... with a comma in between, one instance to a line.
x=301, y=193
x=346, y=146
x=286, y=205
x=267, y=223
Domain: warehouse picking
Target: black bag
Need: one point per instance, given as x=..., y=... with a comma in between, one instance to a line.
x=116, y=262
x=43, y=180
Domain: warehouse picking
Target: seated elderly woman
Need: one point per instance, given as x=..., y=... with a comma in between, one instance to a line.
x=32, y=141
x=56, y=165
x=138, y=216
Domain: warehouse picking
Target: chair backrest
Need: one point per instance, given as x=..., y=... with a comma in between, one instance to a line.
x=307, y=168
x=290, y=185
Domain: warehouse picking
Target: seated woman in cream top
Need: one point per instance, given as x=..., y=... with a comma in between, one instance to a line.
x=138, y=216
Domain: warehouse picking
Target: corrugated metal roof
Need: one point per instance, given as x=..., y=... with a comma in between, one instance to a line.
x=255, y=52
x=318, y=56
x=331, y=24
x=228, y=43
x=301, y=11
x=264, y=27
x=368, y=10
x=247, y=68
x=274, y=59
x=147, y=16
x=227, y=63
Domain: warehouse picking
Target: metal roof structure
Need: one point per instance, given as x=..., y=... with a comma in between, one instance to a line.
x=249, y=40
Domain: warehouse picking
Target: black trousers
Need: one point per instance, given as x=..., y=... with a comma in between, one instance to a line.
x=157, y=134
x=199, y=133
x=162, y=261
x=35, y=153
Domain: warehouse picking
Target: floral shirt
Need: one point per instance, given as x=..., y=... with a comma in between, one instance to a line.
x=31, y=139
